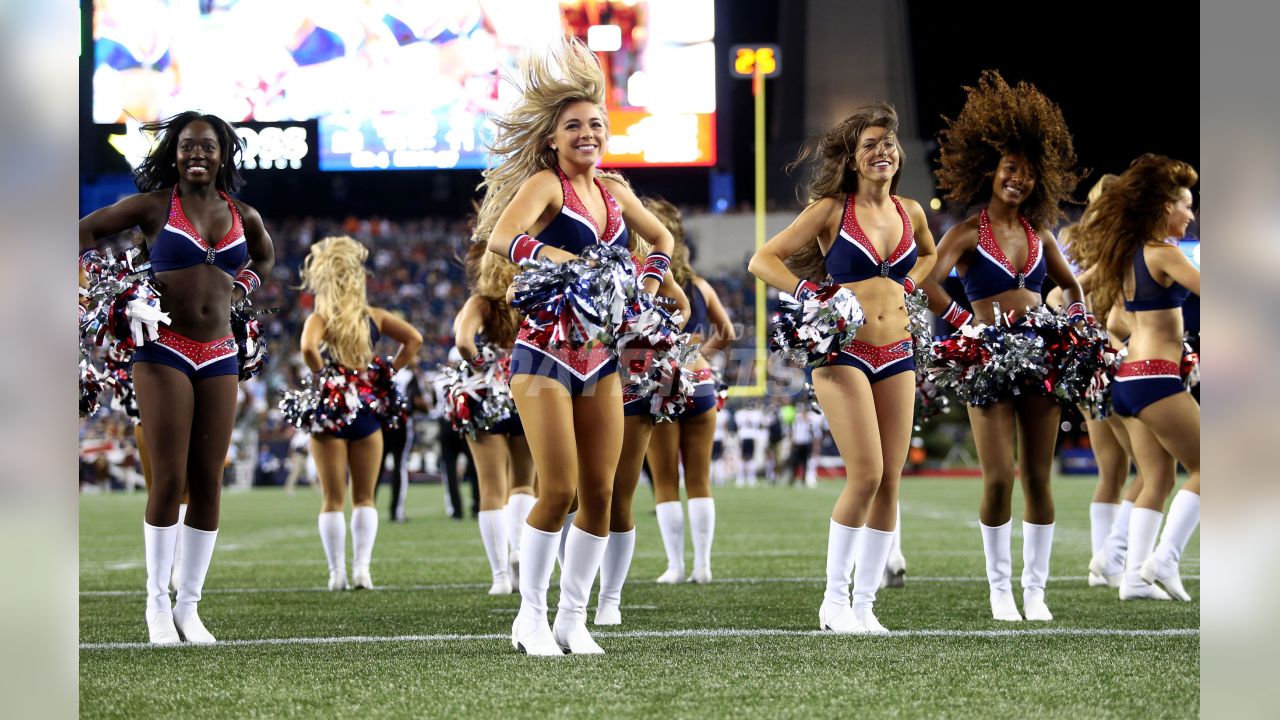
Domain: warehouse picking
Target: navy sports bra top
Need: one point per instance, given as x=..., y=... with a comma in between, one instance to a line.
x=573, y=230
x=179, y=246
x=853, y=258
x=991, y=273
x=697, y=324
x=1150, y=295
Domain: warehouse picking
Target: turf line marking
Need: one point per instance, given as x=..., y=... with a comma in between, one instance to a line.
x=471, y=586
x=661, y=634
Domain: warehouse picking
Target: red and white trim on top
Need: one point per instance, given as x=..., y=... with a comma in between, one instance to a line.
x=990, y=249
x=576, y=209
x=851, y=231
x=178, y=223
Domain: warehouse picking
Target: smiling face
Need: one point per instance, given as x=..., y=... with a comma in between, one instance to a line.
x=1178, y=214
x=876, y=157
x=199, y=155
x=1014, y=179
x=580, y=134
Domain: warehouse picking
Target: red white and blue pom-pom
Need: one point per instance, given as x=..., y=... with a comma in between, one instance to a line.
x=1189, y=368
x=337, y=394
x=1079, y=364
x=578, y=303
x=478, y=395
x=251, y=353
x=812, y=332
x=984, y=364
x=92, y=383
x=931, y=402
x=648, y=338
x=118, y=376
x=120, y=301
x=674, y=388
x=919, y=326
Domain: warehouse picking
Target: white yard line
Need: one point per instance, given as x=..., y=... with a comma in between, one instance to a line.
x=713, y=633
x=470, y=586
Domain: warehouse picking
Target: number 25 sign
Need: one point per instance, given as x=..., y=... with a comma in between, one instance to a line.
x=746, y=60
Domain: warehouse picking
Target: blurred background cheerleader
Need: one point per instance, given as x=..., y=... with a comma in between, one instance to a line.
x=1128, y=236
x=544, y=199
x=206, y=251
x=1009, y=150
x=878, y=245
x=343, y=330
x=686, y=443
x=504, y=466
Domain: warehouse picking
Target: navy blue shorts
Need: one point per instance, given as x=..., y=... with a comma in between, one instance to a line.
x=197, y=360
x=704, y=398
x=877, y=362
x=1139, y=384
x=577, y=370
x=511, y=426
x=365, y=424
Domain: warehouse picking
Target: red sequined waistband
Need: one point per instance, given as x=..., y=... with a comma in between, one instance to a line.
x=1148, y=368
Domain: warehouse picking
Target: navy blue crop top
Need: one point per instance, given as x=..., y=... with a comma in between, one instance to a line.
x=697, y=324
x=1150, y=295
x=179, y=246
x=853, y=258
x=991, y=273
x=574, y=230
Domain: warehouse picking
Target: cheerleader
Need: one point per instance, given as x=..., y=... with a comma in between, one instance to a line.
x=1126, y=237
x=344, y=330
x=637, y=432
x=207, y=250
x=1010, y=149
x=687, y=442
x=504, y=467
x=545, y=199
x=878, y=245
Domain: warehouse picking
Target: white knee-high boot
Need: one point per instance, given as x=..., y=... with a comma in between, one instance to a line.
x=872, y=555
x=530, y=633
x=364, y=531
x=582, y=555
x=158, y=547
x=613, y=574
x=702, y=526
x=1108, y=561
x=1037, y=546
x=177, y=550
x=671, y=526
x=1162, y=566
x=564, y=536
x=493, y=534
x=836, y=613
x=1102, y=516
x=333, y=535
x=197, y=548
x=997, y=547
x=1144, y=524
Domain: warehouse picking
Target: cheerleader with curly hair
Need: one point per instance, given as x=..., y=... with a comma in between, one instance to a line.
x=878, y=245
x=1009, y=150
x=207, y=250
x=1127, y=236
x=343, y=330
x=688, y=441
x=504, y=466
x=545, y=199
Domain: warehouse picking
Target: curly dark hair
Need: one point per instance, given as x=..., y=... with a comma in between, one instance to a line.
x=998, y=120
x=159, y=170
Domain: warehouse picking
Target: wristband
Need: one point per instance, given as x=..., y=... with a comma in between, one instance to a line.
x=248, y=280
x=1076, y=311
x=804, y=289
x=522, y=248
x=655, y=266
x=957, y=316
x=908, y=284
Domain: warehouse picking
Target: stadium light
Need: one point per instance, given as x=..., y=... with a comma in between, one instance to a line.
x=604, y=38
x=935, y=204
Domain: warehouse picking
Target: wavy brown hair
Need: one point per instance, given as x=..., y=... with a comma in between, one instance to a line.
x=830, y=154
x=669, y=215
x=1000, y=120
x=489, y=275
x=1065, y=234
x=1129, y=215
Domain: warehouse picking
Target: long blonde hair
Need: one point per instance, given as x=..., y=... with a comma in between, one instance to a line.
x=1130, y=214
x=568, y=73
x=334, y=271
x=830, y=154
x=1064, y=235
x=489, y=275
x=669, y=215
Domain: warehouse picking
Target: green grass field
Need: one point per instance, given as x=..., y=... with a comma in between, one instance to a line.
x=430, y=642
